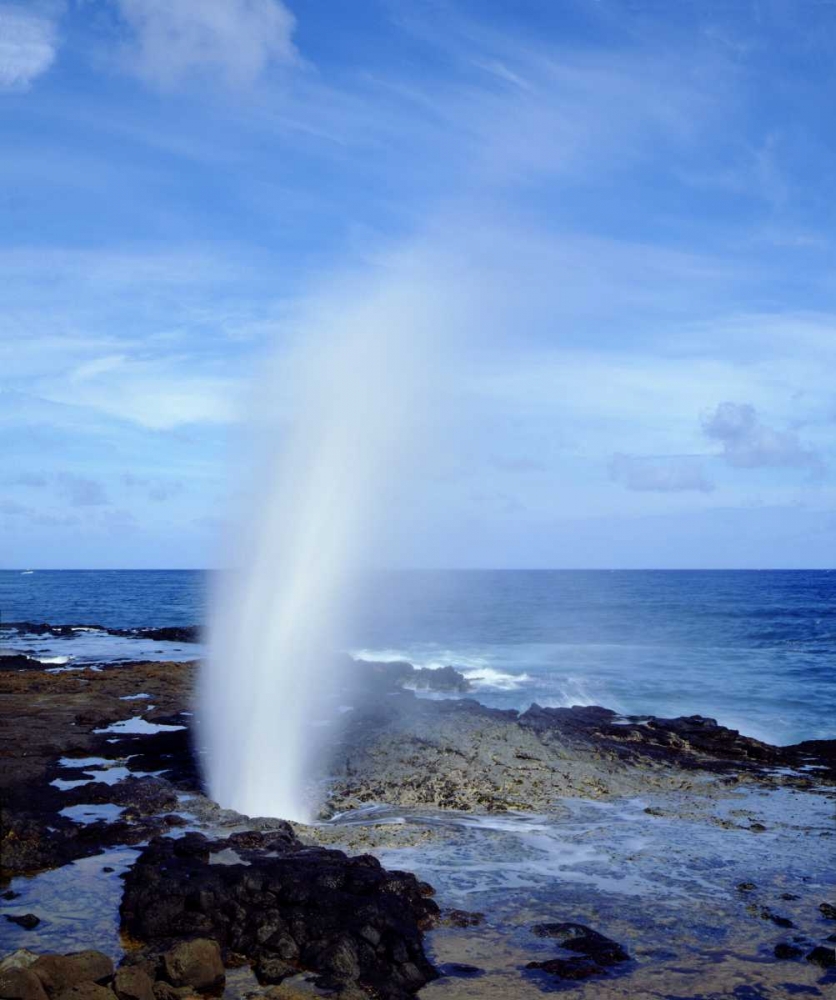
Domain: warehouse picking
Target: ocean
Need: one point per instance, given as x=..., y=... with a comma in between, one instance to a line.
x=755, y=650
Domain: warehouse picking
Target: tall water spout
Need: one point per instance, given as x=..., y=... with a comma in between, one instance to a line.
x=308, y=526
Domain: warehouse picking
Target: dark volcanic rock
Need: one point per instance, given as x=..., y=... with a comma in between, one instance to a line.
x=397, y=674
x=765, y=913
x=568, y=968
x=17, y=661
x=828, y=911
x=824, y=957
x=690, y=740
x=461, y=970
x=462, y=918
x=595, y=952
x=143, y=796
x=177, y=633
x=27, y=921
x=785, y=951
x=585, y=941
x=347, y=919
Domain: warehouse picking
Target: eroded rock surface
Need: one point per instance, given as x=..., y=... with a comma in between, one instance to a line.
x=458, y=754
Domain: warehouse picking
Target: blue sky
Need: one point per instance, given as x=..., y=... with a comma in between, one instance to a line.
x=627, y=206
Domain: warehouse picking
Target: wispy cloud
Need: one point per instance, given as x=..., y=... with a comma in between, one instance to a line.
x=79, y=491
x=75, y=490
x=28, y=42
x=236, y=40
x=675, y=474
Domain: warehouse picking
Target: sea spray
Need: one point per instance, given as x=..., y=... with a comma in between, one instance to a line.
x=344, y=411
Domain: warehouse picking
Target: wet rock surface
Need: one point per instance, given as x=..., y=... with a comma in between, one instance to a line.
x=286, y=908
x=180, y=633
x=593, y=953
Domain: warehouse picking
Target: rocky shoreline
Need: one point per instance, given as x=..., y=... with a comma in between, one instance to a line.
x=99, y=759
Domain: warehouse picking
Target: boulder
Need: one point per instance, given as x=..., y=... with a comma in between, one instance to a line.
x=21, y=984
x=568, y=968
x=86, y=991
x=194, y=963
x=59, y=973
x=824, y=958
x=133, y=983
x=272, y=969
x=27, y=921
x=585, y=941
x=595, y=952
x=784, y=951
x=286, y=908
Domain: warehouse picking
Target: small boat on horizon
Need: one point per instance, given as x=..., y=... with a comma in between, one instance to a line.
x=27, y=572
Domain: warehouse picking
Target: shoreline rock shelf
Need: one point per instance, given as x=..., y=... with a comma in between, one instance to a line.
x=259, y=893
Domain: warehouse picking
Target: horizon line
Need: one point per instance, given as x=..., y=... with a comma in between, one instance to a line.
x=447, y=569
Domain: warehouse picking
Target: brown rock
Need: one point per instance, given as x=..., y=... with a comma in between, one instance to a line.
x=21, y=984
x=194, y=963
x=86, y=991
x=133, y=983
x=165, y=991
x=20, y=959
x=58, y=973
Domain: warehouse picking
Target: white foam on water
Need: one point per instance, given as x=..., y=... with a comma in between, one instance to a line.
x=65, y=786
x=226, y=857
x=138, y=726
x=476, y=669
x=85, y=814
x=490, y=679
x=89, y=645
x=134, y=697
x=86, y=762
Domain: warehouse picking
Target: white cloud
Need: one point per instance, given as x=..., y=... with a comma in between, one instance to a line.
x=236, y=39
x=749, y=444
x=28, y=42
x=675, y=474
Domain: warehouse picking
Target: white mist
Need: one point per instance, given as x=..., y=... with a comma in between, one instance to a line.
x=358, y=390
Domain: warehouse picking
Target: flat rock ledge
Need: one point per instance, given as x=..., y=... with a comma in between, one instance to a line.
x=458, y=754
x=285, y=909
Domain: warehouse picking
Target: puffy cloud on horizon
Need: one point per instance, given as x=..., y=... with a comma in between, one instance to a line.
x=674, y=474
x=749, y=444
x=236, y=39
x=28, y=43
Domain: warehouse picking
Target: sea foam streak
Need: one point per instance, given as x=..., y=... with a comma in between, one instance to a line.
x=341, y=410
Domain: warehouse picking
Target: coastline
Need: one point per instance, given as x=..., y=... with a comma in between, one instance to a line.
x=459, y=781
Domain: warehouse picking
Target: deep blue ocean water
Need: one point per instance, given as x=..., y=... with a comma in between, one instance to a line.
x=756, y=650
